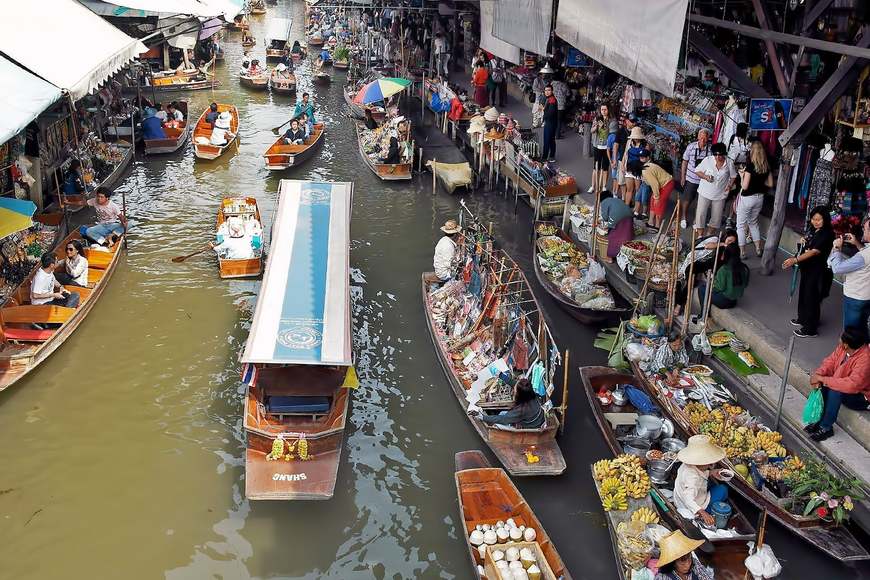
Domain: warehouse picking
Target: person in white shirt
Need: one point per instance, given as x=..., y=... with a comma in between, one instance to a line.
x=45, y=289
x=74, y=268
x=856, y=272
x=444, y=261
x=441, y=55
x=717, y=176
x=221, y=135
x=237, y=246
x=174, y=111
x=694, y=493
x=161, y=113
x=111, y=221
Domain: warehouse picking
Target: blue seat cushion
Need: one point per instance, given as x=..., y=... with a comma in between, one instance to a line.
x=297, y=405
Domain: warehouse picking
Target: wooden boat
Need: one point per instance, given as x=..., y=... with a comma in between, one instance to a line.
x=596, y=379
x=321, y=78
x=258, y=7
x=176, y=137
x=582, y=315
x=249, y=42
x=726, y=560
x=240, y=22
x=283, y=85
x=340, y=64
x=202, y=134
x=357, y=110
x=276, y=37
x=110, y=182
x=281, y=156
x=506, y=284
x=386, y=171
x=315, y=40
x=258, y=83
x=836, y=541
x=23, y=347
x=486, y=495
x=298, y=356
x=245, y=209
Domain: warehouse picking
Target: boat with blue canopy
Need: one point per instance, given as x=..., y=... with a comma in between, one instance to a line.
x=298, y=360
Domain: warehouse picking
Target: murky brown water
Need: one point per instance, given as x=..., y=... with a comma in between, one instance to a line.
x=122, y=456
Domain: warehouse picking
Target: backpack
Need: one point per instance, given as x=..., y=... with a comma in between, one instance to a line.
x=497, y=74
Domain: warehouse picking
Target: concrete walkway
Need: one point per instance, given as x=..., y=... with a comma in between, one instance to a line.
x=761, y=319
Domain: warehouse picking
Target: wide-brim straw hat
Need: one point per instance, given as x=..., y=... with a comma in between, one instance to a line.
x=701, y=451
x=281, y=67
x=491, y=114
x=637, y=133
x=676, y=545
x=451, y=227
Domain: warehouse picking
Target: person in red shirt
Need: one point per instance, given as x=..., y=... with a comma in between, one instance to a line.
x=479, y=78
x=844, y=377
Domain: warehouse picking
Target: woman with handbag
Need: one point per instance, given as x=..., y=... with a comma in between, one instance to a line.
x=816, y=277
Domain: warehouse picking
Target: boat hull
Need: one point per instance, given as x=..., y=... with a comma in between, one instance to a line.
x=384, y=171
x=255, y=83
x=207, y=151
x=281, y=156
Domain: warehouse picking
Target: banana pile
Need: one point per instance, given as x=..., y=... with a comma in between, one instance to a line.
x=615, y=501
x=645, y=515
x=277, y=450
x=769, y=442
x=738, y=440
x=632, y=474
x=611, y=485
x=302, y=447
x=603, y=469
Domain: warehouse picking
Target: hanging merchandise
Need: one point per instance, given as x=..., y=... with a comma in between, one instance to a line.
x=822, y=183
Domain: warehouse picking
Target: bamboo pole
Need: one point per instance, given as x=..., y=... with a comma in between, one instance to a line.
x=434, y=160
x=642, y=294
x=593, y=242
x=672, y=279
x=690, y=283
x=564, y=405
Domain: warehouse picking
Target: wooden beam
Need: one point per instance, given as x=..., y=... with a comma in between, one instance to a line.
x=813, y=13
x=772, y=54
x=753, y=32
x=708, y=50
x=777, y=219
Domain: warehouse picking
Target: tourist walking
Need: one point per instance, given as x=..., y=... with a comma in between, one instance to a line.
x=560, y=91
x=755, y=181
x=816, y=277
x=600, y=161
x=856, y=271
x=716, y=175
x=442, y=55
x=695, y=152
x=497, y=82
x=551, y=124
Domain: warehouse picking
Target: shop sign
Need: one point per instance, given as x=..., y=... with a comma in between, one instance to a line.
x=769, y=114
x=289, y=477
x=577, y=59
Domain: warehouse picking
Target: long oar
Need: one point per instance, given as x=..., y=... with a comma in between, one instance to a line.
x=178, y=259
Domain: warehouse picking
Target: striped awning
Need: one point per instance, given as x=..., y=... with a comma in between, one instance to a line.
x=303, y=311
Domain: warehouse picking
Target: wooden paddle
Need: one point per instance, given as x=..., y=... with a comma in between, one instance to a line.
x=178, y=259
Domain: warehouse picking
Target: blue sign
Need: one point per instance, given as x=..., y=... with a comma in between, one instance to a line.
x=577, y=59
x=769, y=114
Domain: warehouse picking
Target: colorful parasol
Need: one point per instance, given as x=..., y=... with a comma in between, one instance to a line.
x=380, y=89
x=15, y=215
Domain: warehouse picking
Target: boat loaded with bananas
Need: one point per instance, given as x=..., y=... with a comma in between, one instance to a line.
x=646, y=458
x=489, y=333
x=202, y=147
x=770, y=475
x=562, y=270
x=499, y=524
x=243, y=214
x=282, y=155
x=298, y=358
x=24, y=347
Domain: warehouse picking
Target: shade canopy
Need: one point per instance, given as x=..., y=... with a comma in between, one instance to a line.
x=279, y=29
x=15, y=215
x=380, y=89
x=201, y=8
x=23, y=97
x=303, y=310
x=66, y=44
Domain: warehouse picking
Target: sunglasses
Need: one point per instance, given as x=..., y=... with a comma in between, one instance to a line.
x=70, y=249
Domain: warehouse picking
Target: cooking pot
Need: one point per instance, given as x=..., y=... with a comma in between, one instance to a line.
x=637, y=446
x=648, y=427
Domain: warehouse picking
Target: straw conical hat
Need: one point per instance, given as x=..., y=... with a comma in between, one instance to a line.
x=701, y=451
x=674, y=546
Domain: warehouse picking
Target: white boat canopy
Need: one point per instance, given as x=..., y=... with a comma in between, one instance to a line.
x=303, y=311
x=279, y=29
x=66, y=44
x=200, y=8
x=23, y=97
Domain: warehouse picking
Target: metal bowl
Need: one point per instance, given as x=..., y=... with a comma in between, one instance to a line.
x=672, y=444
x=637, y=446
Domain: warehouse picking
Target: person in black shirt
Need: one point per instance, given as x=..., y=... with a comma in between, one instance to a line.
x=526, y=413
x=370, y=120
x=393, y=156
x=551, y=124
x=816, y=277
x=295, y=135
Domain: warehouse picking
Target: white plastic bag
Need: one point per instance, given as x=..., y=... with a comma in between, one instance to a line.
x=763, y=563
x=594, y=273
x=636, y=352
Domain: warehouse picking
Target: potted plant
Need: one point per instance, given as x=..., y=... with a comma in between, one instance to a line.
x=823, y=494
x=341, y=56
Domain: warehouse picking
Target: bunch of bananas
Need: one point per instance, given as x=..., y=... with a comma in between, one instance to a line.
x=303, y=449
x=614, y=501
x=792, y=466
x=697, y=414
x=645, y=515
x=603, y=469
x=732, y=410
x=769, y=442
x=611, y=485
x=277, y=450
x=632, y=474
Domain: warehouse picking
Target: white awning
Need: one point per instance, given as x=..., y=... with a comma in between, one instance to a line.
x=488, y=42
x=23, y=97
x=66, y=44
x=279, y=29
x=202, y=8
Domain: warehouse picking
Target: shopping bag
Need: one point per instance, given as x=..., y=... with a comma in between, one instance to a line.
x=814, y=407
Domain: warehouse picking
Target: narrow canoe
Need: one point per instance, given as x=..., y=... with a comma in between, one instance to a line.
x=580, y=314
x=202, y=134
x=274, y=53
x=487, y=495
x=176, y=137
x=321, y=78
x=246, y=209
x=257, y=83
x=282, y=85
x=385, y=171
x=836, y=541
x=24, y=348
x=315, y=40
x=281, y=156
x=596, y=379
x=250, y=43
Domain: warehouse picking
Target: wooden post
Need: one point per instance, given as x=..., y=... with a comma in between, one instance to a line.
x=672, y=280
x=434, y=160
x=690, y=283
x=777, y=220
x=564, y=405
x=593, y=241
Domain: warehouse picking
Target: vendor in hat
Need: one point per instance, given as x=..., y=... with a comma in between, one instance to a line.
x=236, y=246
x=694, y=490
x=281, y=71
x=221, y=135
x=445, y=260
x=677, y=559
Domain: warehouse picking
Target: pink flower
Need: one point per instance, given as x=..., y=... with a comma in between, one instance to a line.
x=824, y=496
x=833, y=503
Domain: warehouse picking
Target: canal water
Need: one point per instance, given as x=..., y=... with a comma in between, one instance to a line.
x=123, y=454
